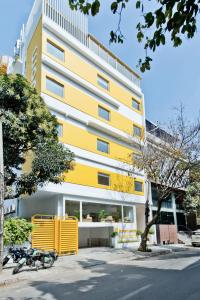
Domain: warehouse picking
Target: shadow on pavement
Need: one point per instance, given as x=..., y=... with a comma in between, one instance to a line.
x=119, y=282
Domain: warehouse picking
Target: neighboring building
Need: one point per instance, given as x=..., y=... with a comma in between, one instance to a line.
x=100, y=108
x=172, y=212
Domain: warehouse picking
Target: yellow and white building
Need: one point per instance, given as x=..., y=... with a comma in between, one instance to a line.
x=100, y=108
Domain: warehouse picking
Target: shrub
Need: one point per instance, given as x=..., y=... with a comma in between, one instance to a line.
x=139, y=232
x=114, y=234
x=16, y=231
x=151, y=231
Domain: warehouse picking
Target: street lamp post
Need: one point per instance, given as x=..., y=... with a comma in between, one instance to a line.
x=1, y=195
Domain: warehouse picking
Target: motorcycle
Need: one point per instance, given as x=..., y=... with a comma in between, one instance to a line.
x=35, y=258
x=15, y=254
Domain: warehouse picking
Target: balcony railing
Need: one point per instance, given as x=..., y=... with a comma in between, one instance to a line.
x=112, y=60
x=71, y=21
x=76, y=24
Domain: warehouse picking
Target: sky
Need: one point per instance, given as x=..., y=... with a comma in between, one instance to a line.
x=175, y=74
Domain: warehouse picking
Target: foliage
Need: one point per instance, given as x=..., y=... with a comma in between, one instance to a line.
x=160, y=19
x=168, y=160
x=116, y=216
x=3, y=69
x=102, y=214
x=114, y=234
x=151, y=231
x=139, y=232
x=77, y=214
x=192, y=199
x=29, y=127
x=16, y=231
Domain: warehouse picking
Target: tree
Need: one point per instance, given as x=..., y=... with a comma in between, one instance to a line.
x=28, y=128
x=167, y=161
x=160, y=20
x=192, y=199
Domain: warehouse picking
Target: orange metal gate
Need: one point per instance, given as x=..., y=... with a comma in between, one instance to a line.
x=55, y=233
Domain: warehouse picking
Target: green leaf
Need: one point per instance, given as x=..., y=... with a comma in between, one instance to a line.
x=138, y=4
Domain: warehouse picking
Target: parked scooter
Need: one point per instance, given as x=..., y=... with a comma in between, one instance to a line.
x=15, y=254
x=35, y=258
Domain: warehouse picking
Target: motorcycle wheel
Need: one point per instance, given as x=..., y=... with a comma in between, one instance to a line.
x=5, y=260
x=49, y=264
x=17, y=268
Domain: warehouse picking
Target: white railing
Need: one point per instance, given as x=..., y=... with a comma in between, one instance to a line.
x=71, y=21
x=112, y=60
x=76, y=23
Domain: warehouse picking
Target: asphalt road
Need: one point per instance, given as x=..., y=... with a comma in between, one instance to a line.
x=168, y=277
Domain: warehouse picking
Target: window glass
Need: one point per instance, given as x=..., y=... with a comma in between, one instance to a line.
x=104, y=113
x=54, y=87
x=60, y=130
x=55, y=51
x=138, y=186
x=136, y=104
x=102, y=146
x=103, y=179
x=137, y=131
x=103, y=82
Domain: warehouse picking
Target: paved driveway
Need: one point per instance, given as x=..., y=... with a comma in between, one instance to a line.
x=168, y=277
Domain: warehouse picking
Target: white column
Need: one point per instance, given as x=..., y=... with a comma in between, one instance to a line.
x=81, y=211
x=174, y=209
x=134, y=216
x=60, y=206
x=122, y=213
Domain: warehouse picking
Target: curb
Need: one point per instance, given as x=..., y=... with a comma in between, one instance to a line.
x=144, y=255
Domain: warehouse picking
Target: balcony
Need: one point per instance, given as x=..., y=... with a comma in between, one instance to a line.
x=112, y=60
x=76, y=24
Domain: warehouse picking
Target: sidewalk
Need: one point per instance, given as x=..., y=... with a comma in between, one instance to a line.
x=86, y=258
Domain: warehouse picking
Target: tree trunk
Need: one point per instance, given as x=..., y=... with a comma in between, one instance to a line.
x=144, y=236
x=1, y=198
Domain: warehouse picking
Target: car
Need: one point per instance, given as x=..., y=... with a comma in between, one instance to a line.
x=196, y=238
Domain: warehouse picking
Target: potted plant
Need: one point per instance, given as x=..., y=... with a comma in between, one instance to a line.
x=127, y=220
x=102, y=215
x=77, y=214
x=114, y=239
x=116, y=216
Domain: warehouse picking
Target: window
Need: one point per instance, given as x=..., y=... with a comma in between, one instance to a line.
x=138, y=186
x=55, y=87
x=103, y=179
x=136, y=104
x=60, y=130
x=103, y=82
x=104, y=113
x=102, y=146
x=55, y=51
x=137, y=131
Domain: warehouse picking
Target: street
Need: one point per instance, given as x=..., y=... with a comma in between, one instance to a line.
x=172, y=276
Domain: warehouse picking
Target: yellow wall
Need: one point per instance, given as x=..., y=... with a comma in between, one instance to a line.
x=86, y=140
x=119, y=183
x=89, y=73
x=85, y=103
x=36, y=41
